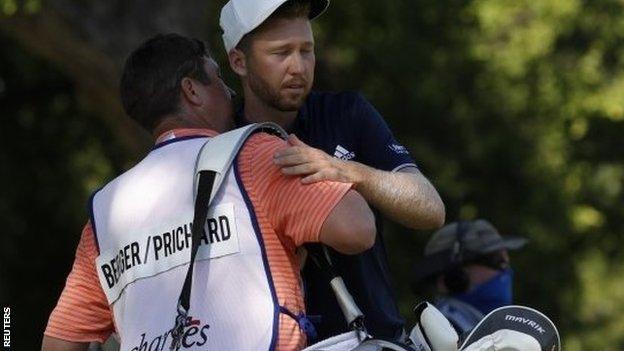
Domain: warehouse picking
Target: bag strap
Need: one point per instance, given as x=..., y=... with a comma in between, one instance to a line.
x=213, y=162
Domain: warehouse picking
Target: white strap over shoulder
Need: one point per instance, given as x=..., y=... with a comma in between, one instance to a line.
x=218, y=153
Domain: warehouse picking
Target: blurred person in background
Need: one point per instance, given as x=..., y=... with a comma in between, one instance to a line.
x=270, y=46
x=467, y=263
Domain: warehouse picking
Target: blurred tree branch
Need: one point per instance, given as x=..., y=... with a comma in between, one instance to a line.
x=89, y=40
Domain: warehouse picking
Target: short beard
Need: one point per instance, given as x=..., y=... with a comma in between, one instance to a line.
x=271, y=97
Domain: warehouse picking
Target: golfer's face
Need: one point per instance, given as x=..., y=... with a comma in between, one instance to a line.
x=281, y=63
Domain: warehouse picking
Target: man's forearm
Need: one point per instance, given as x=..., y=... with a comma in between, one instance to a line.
x=54, y=344
x=406, y=197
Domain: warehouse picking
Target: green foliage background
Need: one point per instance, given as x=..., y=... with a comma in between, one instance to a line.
x=514, y=109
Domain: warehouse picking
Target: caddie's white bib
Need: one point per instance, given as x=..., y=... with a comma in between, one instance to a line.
x=143, y=220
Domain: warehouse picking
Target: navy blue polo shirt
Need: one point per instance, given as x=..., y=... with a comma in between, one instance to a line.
x=347, y=126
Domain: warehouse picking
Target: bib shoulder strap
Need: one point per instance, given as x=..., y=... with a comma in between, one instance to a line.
x=213, y=162
x=218, y=153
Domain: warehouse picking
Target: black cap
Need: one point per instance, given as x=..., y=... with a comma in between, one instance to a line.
x=478, y=237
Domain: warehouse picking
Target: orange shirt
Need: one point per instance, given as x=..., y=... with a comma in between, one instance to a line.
x=289, y=214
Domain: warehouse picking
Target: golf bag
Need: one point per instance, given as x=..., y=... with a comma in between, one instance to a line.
x=432, y=332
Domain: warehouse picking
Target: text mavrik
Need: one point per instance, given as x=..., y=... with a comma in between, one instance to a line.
x=531, y=323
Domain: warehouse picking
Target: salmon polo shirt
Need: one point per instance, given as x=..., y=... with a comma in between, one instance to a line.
x=288, y=214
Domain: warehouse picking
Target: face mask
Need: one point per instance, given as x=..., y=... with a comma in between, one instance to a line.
x=492, y=294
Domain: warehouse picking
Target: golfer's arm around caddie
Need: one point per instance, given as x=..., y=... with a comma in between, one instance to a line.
x=270, y=46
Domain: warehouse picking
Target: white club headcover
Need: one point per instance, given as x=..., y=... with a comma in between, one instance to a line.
x=505, y=340
x=432, y=332
x=513, y=328
x=343, y=342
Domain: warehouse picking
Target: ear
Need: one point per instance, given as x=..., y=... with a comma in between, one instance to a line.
x=189, y=91
x=238, y=62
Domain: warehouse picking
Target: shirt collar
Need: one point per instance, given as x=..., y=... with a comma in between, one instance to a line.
x=301, y=122
x=185, y=132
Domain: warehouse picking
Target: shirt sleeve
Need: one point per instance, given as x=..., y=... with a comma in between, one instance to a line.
x=295, y=210
x=378, y=148
x=82, y=313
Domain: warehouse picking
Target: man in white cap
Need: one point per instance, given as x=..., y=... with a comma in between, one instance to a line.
x=468, y=263
x=270, y=46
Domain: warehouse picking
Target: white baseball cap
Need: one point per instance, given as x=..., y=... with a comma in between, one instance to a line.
x=239, y=17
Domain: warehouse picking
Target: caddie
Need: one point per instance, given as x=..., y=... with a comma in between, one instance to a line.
x=134, y=252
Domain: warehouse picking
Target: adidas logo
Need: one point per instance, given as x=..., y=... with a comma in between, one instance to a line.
x=399, y=149
x=343, y=153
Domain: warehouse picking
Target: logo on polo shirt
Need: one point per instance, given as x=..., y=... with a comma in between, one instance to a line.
x=399, y=149
x=343, y=153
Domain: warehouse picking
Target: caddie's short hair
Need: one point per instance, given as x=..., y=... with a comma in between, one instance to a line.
x=152, y=74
